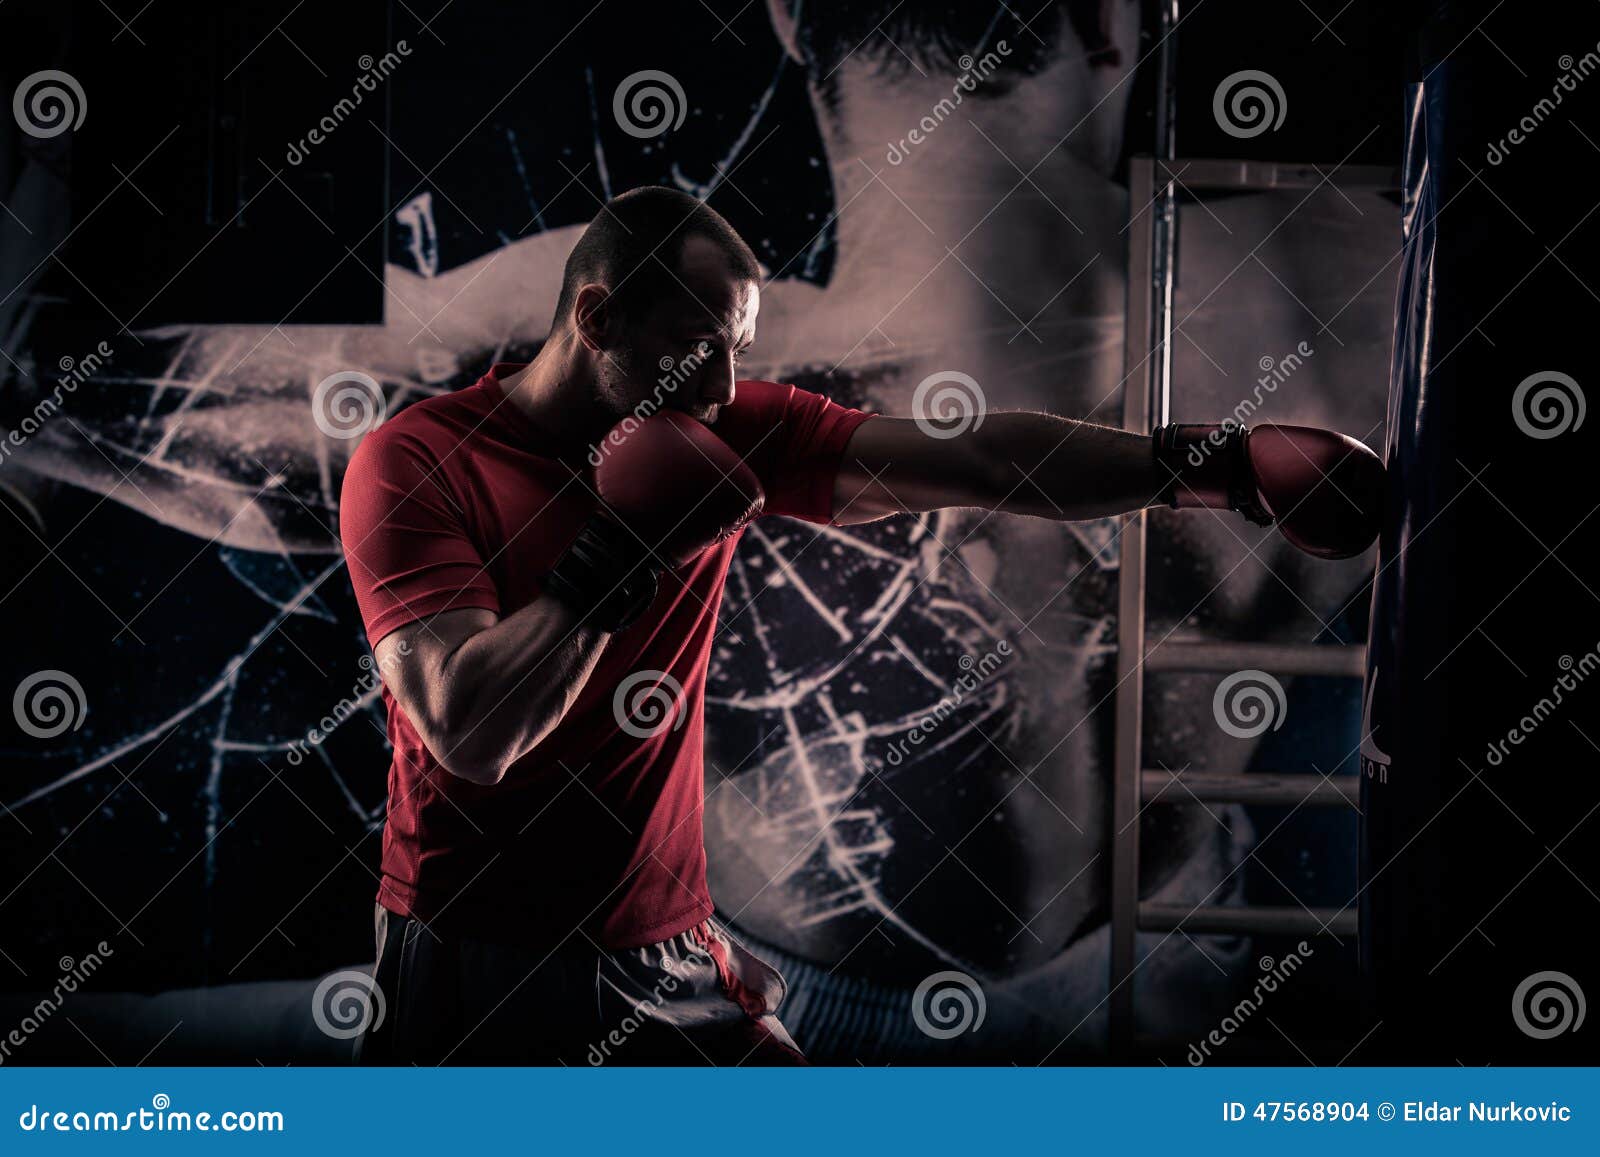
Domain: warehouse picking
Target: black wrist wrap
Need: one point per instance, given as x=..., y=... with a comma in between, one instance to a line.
x=1206, y=465
x=605, y=575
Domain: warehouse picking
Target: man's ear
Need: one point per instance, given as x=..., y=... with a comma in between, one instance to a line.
x=591, y=316
x=786, y=25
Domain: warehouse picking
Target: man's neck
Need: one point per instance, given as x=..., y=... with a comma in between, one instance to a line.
x=555, y=391
x=993, y=182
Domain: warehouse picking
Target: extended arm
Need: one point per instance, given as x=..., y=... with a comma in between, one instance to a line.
x=1324, y=491
x=1020, y=463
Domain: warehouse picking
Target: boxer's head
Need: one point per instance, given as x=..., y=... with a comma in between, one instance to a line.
x=1017, y=81
x=899, y=38
x=660, y=297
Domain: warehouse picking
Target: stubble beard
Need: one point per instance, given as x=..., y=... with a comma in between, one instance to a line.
x=611, y=393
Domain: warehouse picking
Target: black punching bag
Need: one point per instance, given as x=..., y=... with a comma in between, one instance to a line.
x=1481, y=760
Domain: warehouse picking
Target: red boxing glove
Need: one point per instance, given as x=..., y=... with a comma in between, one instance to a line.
x=1323, y=490
x=669, y=489
x=675, y=484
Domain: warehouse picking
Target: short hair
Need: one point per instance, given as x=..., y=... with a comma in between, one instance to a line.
x=634, y=247
x=936, y=34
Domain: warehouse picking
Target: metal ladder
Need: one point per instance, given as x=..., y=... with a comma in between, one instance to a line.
x=1151, y=281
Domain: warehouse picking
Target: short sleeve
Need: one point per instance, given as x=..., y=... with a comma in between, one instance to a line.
x=405, y=538
x=796, y=439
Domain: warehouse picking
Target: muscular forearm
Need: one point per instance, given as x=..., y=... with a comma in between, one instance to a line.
x=510, y=684
x=1060, y=468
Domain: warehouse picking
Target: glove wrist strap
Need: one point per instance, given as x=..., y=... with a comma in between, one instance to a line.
x=1204, y=465
x=604, y=575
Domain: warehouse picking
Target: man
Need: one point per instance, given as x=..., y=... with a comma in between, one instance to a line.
x=539, y=560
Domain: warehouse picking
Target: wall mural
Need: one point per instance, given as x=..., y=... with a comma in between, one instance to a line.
x=172, y=566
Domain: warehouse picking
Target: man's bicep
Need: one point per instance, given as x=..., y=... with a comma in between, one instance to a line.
x=407, y=547
x=902, y=465
x=795, y=440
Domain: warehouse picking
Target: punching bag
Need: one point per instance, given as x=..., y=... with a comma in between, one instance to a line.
x=1480, y=879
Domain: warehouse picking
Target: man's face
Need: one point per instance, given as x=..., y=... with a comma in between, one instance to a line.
x=683, y=352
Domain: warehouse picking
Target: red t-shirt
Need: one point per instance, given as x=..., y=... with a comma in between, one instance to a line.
x=452, y=504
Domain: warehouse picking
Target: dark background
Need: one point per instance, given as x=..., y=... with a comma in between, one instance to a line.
x=171, y=821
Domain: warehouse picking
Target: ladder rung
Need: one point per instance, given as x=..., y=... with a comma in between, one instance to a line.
x=1222, y=173
x=1259, y=919
x=1288, y=789
x=1275, y=658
